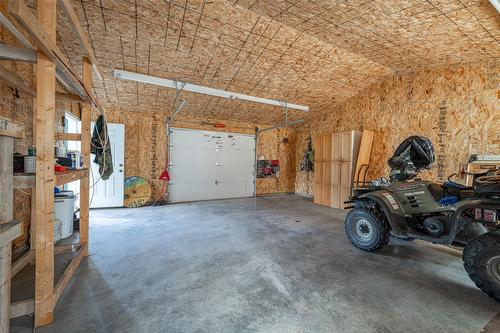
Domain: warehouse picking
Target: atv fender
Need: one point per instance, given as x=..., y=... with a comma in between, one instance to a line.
x=397, y=222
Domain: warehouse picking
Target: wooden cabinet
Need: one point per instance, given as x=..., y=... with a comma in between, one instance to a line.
x=335, y=162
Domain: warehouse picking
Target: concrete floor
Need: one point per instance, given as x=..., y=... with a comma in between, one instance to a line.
x=272, y=264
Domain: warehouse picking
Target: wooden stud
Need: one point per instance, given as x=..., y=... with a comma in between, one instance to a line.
x=85, y=146
x=6, y=213
x=45, y=123
x=5, y=275
x=6, y=180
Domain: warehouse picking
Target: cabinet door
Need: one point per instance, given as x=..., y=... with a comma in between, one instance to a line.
x=318, y=147
x=345, y=182
x=318, y=184
x=327, y=181
x=336, y=147
x=327, y=148
x=335, y=185
x=346, y=147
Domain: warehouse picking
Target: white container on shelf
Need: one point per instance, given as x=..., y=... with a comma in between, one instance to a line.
x=29, y=164
x=64, y=207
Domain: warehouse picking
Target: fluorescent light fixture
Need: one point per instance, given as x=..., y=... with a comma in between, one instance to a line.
x=125, y=75
x=496, y=4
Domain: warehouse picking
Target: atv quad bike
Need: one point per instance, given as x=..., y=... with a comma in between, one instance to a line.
x=410, y=208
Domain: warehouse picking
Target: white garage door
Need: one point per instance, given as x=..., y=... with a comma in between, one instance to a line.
x=207, y=165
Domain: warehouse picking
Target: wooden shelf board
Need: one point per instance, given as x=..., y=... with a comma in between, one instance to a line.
x=9, y=231
x=68, y=136
x=22, y=262
x=22, y=308
x=24, y=181
x=68, y=273
x=69, y=176
x=11, y=128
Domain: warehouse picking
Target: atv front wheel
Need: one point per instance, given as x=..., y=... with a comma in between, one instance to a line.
x=482, y=261
x=366, y=230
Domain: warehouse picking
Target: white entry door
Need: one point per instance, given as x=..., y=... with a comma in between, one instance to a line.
x=207, y=165
x=109, y=193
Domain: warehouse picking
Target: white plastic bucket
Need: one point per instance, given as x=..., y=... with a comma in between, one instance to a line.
x=64, y=207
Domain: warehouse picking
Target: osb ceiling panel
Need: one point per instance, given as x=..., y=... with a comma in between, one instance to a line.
x=400, y=34
x=315, y=53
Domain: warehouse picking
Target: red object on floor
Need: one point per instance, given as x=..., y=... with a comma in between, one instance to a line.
x=164, y=175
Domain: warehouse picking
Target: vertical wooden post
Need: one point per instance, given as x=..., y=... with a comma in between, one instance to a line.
x=6, y=215
x=45, y=129
x=33, y=143
x=85, y=147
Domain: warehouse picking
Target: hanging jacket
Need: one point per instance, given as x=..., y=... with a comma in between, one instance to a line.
x=101, y=148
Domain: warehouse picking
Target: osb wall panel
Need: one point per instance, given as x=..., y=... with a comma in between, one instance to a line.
x=146, y=146
x=273, y=146
x=410, y=105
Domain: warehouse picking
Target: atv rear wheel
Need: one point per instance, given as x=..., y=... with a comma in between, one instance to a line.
x=366, y=230
x=482, y=261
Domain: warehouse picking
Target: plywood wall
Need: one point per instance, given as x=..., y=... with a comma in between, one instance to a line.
x=466, y=96
x=279, y=144
x=146, y=146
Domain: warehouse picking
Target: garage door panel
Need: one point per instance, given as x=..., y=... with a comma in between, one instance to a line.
x=235, y=157
x=234, y=189
x=183, y=192
x=196, y=174
x=189, y=138
x=210, y=165
x=191, y=156
x=233, y=173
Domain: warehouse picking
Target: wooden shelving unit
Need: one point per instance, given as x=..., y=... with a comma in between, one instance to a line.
x=51, y=64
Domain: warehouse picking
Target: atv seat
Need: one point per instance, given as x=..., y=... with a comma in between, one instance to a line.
x=450, y=190
x=488, y=190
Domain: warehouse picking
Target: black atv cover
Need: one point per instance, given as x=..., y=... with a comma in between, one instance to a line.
x=413, y=154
